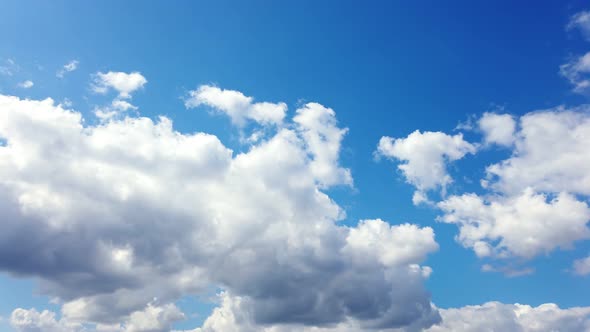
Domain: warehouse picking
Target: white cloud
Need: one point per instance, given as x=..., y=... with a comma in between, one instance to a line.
x=23, y=320
x=424, y=157
x=550, y=148
x=231, y=316
x=496, y=316
x=580, y=21
x=68, y=67
x=26, y=84
x=117, y=108
x=124, y=83
x=497, y=128
x=236, y=105
x=523, y=225
x=132, y=210
x=582, y=266
x=318, y=126
x=577, y=71
x=153, y=318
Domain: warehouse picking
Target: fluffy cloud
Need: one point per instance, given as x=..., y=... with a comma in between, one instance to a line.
x=33, y=321
x=582, y=266
x=68, y=67
x=424, y=157
x=26, y=84
x=538, y=196
x=524, y=225
x=153, y=318
x=550, y=148
x=495, y=316
x=123, y=83
x=236, y=105
x=130, y=210
x=497, y=128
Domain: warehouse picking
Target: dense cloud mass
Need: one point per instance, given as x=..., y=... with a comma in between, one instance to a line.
x=125, y=217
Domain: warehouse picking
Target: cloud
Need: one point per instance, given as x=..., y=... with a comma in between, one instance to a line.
x=130, y=210
x=26, y=84
x=236, y=105
x=580, y=21
x=9, y=67
x=497, y=128
x=153, y=318
x=576, y=71
x=524, y=225
x=424, y=157
x=496, y=316
x=67, y=68
x=581, y=266
x=23, y=320
x=551, y=146
x=124, y=83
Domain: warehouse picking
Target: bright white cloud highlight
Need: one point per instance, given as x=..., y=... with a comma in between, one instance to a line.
x=424, y=156
x=549, y=153
x=495, y=316
x=124, y=83
x=525, y=225
x=498, y=128
x=236, y=105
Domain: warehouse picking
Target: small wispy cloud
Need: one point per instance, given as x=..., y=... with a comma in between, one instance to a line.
x=26, y=84
x=68, y=67
x=8, y=67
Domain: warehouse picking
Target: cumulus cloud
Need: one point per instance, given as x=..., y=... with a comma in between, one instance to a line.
x=153, y=318
x=26, y=84
x=495, y=316
x=524, y=225
x=424, y=157
x=582, y=266
x=23, y=320
x=68, y=67
x=124, y=83
x=130, y=210
x=550, y=148
x=497, y=128
x=236, y=105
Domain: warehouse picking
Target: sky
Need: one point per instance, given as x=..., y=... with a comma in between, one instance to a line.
x=312, y=166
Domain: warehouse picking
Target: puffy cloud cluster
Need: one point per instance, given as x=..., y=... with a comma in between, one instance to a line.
x=130, y=210
x=236, y=105
x=539, y=194
x=424, y=157
x=536, y=200
x=495, y=316
x=125, y=84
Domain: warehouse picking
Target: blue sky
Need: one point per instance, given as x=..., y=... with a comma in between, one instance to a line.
x=386, y=69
